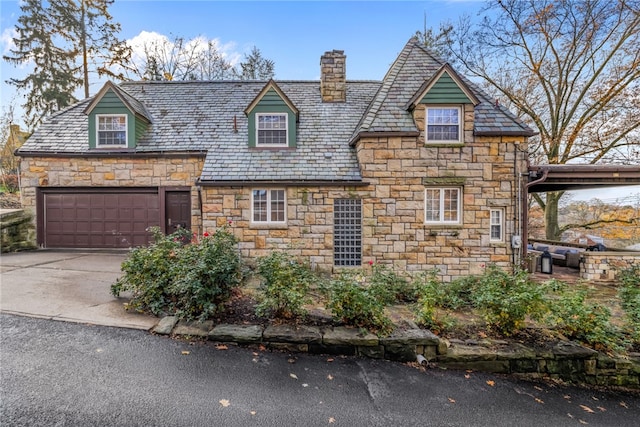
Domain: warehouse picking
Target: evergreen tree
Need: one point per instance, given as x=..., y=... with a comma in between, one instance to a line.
x=60, y=38
x=54, y=77
x=255, y=67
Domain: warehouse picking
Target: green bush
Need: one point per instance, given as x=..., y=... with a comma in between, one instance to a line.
x=355, y=304
x=187, y=280
x=505, y=299
x=432, y=295
x=571, y=315
x=284, y=289
x=390, y=287
x=629, y=294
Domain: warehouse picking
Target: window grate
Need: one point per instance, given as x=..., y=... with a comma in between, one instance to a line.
x=347, y=232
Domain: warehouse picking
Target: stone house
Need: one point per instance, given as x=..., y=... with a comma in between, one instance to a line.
x=419, y=171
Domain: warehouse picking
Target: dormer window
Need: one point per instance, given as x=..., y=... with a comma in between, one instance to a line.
x=443, y=124
x=112, y=130
x=272, y=119
x=271, y=130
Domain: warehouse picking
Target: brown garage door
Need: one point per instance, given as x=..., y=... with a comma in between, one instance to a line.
x=115, y=218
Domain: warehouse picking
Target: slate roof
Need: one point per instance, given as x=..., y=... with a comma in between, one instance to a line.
x=208, y=117
x=414, y=66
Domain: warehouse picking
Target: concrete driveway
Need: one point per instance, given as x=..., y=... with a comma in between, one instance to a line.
x=72, y=286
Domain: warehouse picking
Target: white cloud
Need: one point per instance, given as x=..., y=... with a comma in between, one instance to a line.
x=164, y=45
x=6, y=40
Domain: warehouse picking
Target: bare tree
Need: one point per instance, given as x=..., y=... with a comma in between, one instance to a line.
x=180, y=59
x=571, y=68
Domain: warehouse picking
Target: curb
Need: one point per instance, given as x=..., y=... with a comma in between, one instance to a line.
x=562, y=360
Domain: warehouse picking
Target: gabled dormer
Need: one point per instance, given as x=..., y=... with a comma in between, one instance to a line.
x=116, y=119
x=273, y=119
x=441, y=106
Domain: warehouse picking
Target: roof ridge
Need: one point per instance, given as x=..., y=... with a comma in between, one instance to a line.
x=387, y=82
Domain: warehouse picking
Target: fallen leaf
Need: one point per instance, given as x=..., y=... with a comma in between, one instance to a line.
x=451, y=400
x=224, y=402
x=262, y=347
x=329, y=377
x=294, y=376
x=602, y=409
x=491, y=383
x=291, y=360
x=537, y=388
x=587, y=409
x=570, y=416
x=468, y=371
x=594, y=398
x=583, y=422
x=305, y=385
x=624, y=405
x=221, y=347
x=566, y=396
x=252, y=412
x=330, y=360
x=255, y=354
x=332, y=420
x=482, y=334
x=539, y=401
x=185, y=352
x=467, y=376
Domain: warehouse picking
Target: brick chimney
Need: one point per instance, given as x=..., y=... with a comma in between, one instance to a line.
x=333, y=80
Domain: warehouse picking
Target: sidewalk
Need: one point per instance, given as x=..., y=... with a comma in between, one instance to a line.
x=73, y=286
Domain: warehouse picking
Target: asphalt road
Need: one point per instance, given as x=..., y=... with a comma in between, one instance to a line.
x=68, y=374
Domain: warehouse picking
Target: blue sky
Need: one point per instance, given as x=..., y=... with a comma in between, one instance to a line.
x=294, y=34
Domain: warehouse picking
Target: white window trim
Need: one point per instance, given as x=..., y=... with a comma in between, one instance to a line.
x=268, y=221
x=442, y=221
x=460, y=124
x=286, y=129
x=126, y=130
x=501, y=225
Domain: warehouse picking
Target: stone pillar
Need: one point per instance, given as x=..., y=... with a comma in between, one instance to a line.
x=333, y=80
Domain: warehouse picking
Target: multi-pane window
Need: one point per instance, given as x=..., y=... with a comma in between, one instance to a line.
x=442, y=205
x=443, y=124
x=347, y=232
x=496, y=227
x=268, y=206
x=271, y=129
x=112, y=130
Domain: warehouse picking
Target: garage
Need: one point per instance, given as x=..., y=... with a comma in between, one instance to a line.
x=97, y=218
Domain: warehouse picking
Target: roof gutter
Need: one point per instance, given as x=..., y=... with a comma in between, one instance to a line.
x=280, y=183
x=361, y=135
x=120, y=154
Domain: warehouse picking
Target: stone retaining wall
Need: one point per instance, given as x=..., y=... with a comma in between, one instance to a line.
x=562, y=360
x=603, y=266
x=18, y=232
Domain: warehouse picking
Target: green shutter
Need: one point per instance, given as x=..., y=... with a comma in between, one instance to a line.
x=445, y=91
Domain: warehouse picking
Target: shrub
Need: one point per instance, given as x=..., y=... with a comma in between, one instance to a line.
x=629, y=294
x=432, y=294
x=190, y=281
x=505, y=299
x=10, y=182
x=285, y=285
x=391, y=288
x=577, y=319
x=355, y=304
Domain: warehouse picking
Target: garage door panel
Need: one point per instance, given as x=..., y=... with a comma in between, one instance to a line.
x=99, y=219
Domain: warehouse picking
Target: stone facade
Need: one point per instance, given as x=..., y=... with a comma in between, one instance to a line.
x=96, y=172
x=603, y=266
x=397, y=169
